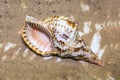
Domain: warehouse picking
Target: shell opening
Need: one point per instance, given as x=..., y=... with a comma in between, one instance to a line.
x=38, y=37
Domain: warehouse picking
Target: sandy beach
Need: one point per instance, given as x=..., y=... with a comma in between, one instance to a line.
x=98, y=22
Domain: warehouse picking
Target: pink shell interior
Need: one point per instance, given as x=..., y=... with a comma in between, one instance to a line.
x=38, y=39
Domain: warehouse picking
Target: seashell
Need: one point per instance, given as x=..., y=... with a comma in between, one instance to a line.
x=57, y=35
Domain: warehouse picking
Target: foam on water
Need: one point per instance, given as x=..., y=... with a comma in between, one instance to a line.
x=95, y=44
x=47, y=58
x=110, y=77
x=84, y=7
x=25, y=53
x=98, y=27
x=32, y=57
x=1, y=45
x=16, y=53
x=87, y=25
x=59, y=60
x=8, y=46
x=4, y=57
x=100, y=52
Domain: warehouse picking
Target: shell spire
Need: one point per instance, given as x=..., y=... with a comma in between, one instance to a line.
x=56, y=35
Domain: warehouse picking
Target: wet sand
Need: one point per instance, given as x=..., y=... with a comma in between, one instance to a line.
x=102, y=21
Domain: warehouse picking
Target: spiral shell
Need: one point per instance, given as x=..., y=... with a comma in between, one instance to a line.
x=57, y=35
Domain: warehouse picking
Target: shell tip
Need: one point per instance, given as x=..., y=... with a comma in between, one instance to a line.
x=99, y=63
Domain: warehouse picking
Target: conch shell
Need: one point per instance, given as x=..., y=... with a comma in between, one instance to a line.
x=57, y=35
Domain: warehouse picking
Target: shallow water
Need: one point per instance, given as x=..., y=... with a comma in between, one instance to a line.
x=98, y=21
